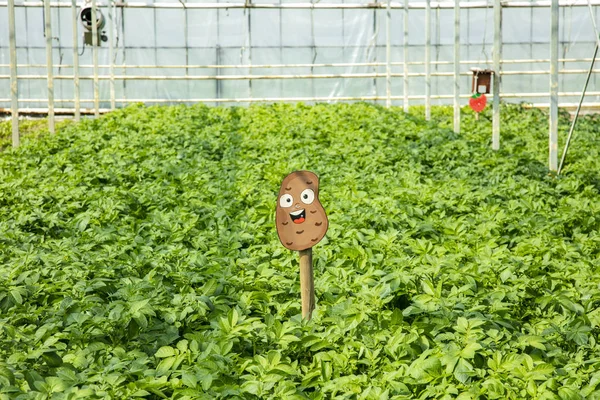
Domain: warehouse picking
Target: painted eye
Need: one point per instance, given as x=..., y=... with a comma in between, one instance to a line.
x=286, y=200
x=307, y=196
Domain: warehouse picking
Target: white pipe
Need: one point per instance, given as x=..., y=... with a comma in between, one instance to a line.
x=75, y=59
x=69, y=111
x=284, y=99
x=553, y=128
x=388, y=56
x=14, y=86
x=405, y=57
x=111, y=52
x=267, y=77
x=95, y=45
x=427, y=61
x=497, y=58
x=372, y=64
x=49, y=64
x=456, y=67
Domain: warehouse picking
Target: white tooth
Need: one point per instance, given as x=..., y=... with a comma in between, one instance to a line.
x=297, y=212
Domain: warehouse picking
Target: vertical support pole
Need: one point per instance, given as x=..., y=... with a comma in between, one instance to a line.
x=111, y=52
x=281, y=45
x=49, y=64
x=14, y=91
x=307, y=285
x=428, y=60
x=457, y=66
x=186, y=31
x=314, y=48
x=497, y=77
x=124, y=55
x=374, y=41
x=249, y=27
x=405, y=56
x=155, y=36
x=553, y=134
x=95, y=59
x=74, y=20
x=388, y=55
x=218, y=57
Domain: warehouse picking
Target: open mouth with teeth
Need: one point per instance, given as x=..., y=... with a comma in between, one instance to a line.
x=298, y=217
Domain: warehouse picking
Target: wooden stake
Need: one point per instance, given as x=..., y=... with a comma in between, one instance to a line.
x=307, y=284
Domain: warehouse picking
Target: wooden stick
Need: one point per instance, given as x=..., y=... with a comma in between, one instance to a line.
x=307, y=284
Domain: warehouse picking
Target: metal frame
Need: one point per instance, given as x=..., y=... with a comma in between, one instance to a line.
x=14, y=88
x=325, y=6
x=390, y=72
x=405, y=56
x=427, y=60
x=553, y=133
x=457, y=67
x=497, y=74
x=77, y=104
x=49, y=64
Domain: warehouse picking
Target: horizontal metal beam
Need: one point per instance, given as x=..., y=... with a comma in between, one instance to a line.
x=284, y=99
x=90, y=111
x=294, y=47
x=289, y=76
x=320, y=6
x=304, y=65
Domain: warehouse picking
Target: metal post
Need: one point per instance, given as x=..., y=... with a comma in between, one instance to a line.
x=427, y=60
x=587, y=81
x=187, y=47
x=456, y=66
x=405, y=56
x=27, y=55
x=156, y=84
x=124, y=55
x=111, y=52
x=218, y=58
x=314, y=49
x=14, y=91
x=249, y=27
x=49, y=64
x=374, y=43
x=281, y=45
x=75, y=60
x=388, y=55
x=497, y=57
x=95, y=60
x=553, y=134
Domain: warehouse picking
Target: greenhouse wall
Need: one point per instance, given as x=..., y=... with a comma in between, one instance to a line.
x=173, y=52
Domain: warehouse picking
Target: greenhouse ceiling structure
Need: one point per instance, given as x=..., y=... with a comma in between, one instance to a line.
x=397, y=53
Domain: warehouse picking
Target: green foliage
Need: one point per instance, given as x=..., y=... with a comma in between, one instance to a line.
x=139, y=258
x=28, y=129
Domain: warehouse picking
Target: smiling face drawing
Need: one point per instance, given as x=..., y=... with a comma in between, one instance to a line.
x=301, y=220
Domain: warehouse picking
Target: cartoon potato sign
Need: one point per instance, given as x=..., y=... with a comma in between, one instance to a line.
x=301, y=220
x=301, y=223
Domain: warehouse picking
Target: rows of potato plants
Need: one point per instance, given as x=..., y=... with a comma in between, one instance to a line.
x=139, y=257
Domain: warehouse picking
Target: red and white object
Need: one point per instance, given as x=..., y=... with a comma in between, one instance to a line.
x=477, y=102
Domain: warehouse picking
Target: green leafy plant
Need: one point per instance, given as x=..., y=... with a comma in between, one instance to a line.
x=139, y=258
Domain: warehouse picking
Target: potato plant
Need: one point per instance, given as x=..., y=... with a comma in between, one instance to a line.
x=139, y=257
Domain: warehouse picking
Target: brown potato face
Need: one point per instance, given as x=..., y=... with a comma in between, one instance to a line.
x=300, y=218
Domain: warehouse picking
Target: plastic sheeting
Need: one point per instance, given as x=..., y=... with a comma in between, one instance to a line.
x=194, y=37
